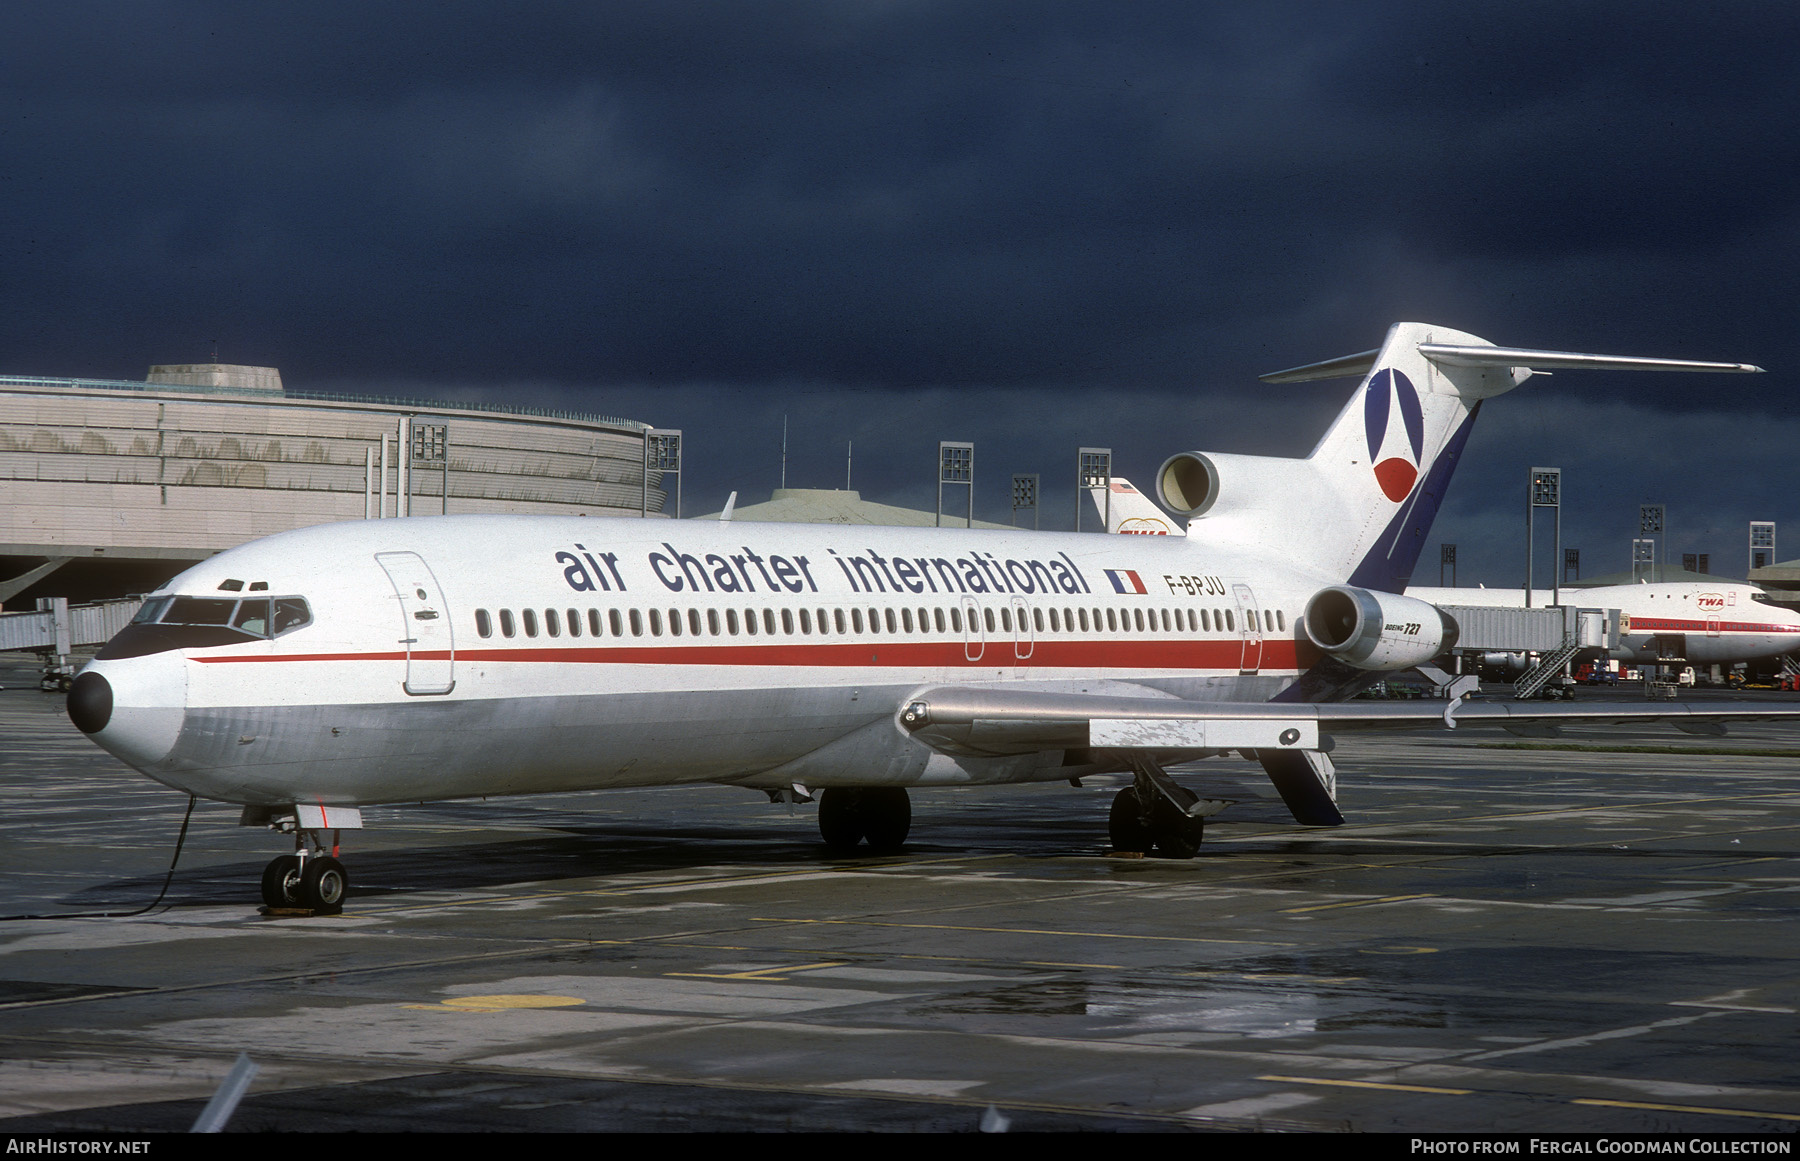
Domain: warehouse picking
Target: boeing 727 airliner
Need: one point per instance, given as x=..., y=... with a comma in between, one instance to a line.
x=311, y=673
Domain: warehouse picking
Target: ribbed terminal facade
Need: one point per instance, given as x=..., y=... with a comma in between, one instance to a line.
x=202, y=457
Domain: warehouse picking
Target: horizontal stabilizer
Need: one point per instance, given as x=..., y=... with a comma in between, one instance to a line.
x=1344, y=367
x=1463, y=356
x=1454, y=355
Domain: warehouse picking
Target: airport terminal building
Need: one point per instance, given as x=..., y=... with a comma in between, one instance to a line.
x=111, y=486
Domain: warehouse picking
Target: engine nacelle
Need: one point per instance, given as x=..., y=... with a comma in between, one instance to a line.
x=1380, y=631
x=1210, y=484
x=1188, y=483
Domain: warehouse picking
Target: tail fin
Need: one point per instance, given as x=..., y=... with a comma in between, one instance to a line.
x=1360, y=506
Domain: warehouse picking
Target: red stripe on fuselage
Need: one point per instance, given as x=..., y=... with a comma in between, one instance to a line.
x=1668, y=625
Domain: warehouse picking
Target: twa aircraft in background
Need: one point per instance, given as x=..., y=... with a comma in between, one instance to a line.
x=317, y=671
x=1127, y=511
x=1691, y=623
x=1717, y=622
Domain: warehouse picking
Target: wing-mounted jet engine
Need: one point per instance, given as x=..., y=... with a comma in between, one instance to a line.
x=1377, y=631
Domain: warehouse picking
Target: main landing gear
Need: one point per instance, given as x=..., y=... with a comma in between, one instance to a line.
x=1157, y=813
x=848, y=815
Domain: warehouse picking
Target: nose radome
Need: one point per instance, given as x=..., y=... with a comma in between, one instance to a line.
x=132, y=707
x=90, y=703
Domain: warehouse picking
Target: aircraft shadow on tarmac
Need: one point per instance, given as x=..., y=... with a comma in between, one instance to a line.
x=575, y=846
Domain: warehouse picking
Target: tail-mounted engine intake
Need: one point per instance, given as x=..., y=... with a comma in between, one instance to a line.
x=1188, y=483
x=1196, y=484
x=1381, y=631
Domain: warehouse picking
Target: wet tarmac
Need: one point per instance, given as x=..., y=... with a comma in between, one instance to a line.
x=1507, y=936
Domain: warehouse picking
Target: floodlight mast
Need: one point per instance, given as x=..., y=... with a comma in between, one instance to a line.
x=1543, y=490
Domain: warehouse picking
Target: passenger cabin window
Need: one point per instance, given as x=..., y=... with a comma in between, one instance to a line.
x=484, y=624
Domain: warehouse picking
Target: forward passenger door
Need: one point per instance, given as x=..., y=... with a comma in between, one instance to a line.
x=425, y=629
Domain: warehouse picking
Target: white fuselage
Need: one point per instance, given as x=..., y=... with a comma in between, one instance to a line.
x=470, y=655
x=1702, y=622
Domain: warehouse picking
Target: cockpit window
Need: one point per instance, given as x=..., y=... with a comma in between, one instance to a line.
x=170, y=622
x=151, y=610
x=290, y=613
x=199, y=611
x=252, y=617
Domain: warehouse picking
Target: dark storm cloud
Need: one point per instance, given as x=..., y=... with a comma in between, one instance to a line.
x=1049, y=223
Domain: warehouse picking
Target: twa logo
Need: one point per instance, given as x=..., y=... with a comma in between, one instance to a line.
x=1711, y=602
x=1395, y=426
x=1143, y=526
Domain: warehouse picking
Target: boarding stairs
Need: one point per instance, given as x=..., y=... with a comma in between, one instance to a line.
x=1549, y=665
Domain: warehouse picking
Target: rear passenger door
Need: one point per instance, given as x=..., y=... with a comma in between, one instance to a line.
x=1249, y=628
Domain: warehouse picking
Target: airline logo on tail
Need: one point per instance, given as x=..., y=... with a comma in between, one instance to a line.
x=1391, y=401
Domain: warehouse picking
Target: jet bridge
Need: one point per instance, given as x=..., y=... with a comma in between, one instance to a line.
x=56, y=629
x=1556, y=634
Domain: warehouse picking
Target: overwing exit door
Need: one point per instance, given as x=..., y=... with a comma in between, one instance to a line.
x=425, y=634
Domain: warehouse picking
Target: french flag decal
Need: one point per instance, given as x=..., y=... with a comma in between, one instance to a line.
x=1125, y=581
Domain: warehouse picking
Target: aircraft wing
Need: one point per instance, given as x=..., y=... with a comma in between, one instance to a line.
x=970, y=721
